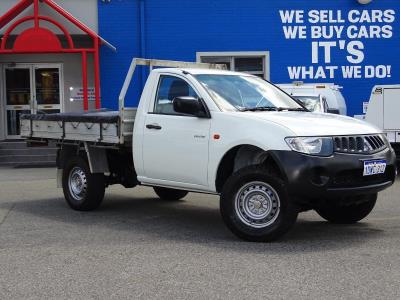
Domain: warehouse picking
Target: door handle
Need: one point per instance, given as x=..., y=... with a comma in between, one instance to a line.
x=153, y=126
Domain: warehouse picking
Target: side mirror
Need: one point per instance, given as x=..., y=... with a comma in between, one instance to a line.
x=190, y=106
x=333, y=111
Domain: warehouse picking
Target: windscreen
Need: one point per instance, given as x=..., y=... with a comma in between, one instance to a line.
x=246, y=92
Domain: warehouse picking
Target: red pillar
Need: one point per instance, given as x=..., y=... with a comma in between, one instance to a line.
x=85, y=82
x=36, y=12
x=97, y=73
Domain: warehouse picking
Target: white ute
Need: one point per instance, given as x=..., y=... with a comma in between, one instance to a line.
x=199, y=128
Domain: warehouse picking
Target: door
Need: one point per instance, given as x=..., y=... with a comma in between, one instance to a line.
x=47, y=91
x=175, y=146
x=18, y=97
x=30, y=89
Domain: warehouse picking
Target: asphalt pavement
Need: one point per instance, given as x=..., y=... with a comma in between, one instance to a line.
x=139, y=247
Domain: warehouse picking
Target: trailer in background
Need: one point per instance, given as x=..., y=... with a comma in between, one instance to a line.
x=383, y=111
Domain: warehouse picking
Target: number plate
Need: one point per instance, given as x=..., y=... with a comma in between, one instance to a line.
x=373, y=167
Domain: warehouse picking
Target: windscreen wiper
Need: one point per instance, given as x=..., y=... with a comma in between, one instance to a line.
x=291, y=109
x=272, y=108
x=260, y=108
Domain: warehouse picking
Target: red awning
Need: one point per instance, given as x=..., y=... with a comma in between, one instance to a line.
x=39, y=39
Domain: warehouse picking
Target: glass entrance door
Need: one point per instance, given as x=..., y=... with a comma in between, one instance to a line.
x=18, y=97
x=47, y=96
x=30, y=89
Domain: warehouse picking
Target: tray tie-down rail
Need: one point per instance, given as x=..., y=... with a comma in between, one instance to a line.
x=157, y=63
x=103, y=125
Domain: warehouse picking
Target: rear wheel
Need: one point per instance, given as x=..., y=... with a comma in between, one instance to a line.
x=83, y=190
x=255, y=205
x=169, y=194
x=348, y=214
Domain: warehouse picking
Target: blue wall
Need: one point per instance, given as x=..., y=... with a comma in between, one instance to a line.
x=177, y=29
x=119, y=24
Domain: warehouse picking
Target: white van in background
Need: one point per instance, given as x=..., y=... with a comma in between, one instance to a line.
x=317, y=93
x=383, y=112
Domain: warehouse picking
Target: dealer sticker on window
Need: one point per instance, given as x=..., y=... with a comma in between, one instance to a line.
x=373, y=167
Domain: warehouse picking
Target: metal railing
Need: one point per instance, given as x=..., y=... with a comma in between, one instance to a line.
x=151, y=63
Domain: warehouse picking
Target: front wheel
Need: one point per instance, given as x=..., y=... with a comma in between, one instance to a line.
x=83, y=190
x=255, y=205
x=348, y=214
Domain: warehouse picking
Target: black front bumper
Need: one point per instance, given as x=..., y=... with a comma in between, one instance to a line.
x=340, y=175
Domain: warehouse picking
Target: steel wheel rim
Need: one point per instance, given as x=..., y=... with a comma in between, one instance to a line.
x=77, y=184
x=257, y=204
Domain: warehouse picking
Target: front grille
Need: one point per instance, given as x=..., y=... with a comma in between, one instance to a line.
x=354, y=178
x=362, y=144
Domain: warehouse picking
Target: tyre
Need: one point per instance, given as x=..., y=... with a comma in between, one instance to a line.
x=169, y=194
x=348, y=214
x=83, y=190
x=255, y=205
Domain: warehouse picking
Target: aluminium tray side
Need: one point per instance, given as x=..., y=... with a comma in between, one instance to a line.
x=97, y=127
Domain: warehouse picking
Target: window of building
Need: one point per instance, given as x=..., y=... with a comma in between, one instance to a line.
x=256, y=63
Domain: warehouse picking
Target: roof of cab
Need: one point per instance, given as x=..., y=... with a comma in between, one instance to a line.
x=198, y=71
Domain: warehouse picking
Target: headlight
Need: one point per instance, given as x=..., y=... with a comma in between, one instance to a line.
x=321, y=146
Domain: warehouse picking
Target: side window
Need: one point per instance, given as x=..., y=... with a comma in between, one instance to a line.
x=169, y=88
